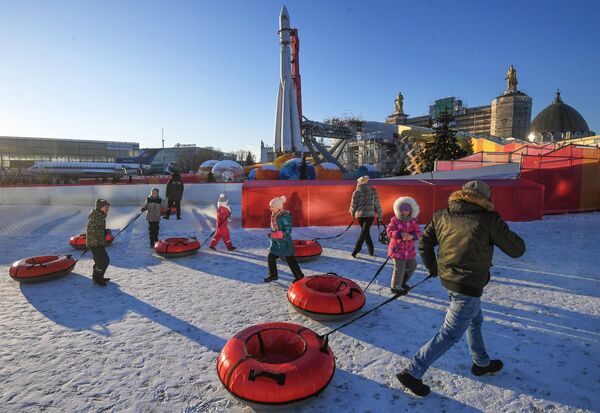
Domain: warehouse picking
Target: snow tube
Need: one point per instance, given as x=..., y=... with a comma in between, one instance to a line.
x=42, y=268
x=275, y=364
x=172, y=211
x=79, y=241
x=326, y=296
x=306, y=250
x=176, y=247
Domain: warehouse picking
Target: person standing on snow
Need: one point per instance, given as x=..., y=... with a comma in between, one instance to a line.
x=281, y=244
x=153, y=205
x=96, y=240
x=465, y=233
x=364, y=206
x=174, y=194
x=404, y=231
x=223, y=218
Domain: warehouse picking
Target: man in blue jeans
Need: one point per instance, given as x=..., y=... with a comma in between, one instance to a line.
x=465, y=233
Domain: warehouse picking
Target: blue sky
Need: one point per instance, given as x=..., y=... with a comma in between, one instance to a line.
x=207, y=72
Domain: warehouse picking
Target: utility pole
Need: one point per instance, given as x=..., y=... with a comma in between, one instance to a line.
x=163, y=144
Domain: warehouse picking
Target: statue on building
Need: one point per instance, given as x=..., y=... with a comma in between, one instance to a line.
x=399, y=103
x=511, y=76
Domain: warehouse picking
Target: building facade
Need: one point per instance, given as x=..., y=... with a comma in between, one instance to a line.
x=19, y=153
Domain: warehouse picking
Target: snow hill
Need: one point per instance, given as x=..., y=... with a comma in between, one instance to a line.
x=149, y=341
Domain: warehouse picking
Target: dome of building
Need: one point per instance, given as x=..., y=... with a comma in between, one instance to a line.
x=558, y=121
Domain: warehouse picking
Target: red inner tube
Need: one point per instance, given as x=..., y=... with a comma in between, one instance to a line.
x=175, y=245
x=275, y=364
x=307, y=248
x=326, y=294
x=80, y=241
x=41, y=266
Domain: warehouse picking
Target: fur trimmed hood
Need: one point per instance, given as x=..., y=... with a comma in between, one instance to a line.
x=406, y=200
x=472, y=197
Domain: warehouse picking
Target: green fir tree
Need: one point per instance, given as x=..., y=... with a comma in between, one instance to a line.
x=444, y=146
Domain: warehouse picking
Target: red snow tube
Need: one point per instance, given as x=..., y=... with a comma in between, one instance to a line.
x=167, y=211
x=275, y=364
x=176, y=247
x=42, y=268
x=79, y=241
x=326, y=296
x=307, y=250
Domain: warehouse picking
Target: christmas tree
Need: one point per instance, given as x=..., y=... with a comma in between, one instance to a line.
x=444, y=146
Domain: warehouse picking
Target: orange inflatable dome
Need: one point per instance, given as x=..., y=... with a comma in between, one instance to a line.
x=267, y=171
x=328, y=171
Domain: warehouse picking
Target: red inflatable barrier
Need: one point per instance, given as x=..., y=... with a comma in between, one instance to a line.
x=80, y=241
x=42, y=268
x=176, y=247
x=275, y=364
x=326, y=203
x=326, y=296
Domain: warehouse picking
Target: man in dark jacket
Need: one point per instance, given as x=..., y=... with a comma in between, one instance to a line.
x=465, y=233
x=174, y=194
x=96, y=240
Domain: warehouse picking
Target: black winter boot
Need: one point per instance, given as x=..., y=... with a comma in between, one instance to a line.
x=494, y=367
x=413, y=384
x=270, y=278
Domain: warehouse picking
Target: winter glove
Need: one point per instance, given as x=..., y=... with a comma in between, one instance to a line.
x=143, y=209
x=277, y=235
x=432, y=274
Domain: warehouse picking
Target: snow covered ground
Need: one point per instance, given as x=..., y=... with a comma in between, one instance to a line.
x=149, y=341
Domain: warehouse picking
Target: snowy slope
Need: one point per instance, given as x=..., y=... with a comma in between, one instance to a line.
x=149, y=342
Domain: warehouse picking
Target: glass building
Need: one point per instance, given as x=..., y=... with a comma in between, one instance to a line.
x=18, y=153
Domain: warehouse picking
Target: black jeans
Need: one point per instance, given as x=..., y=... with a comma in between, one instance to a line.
x=291, y=261
x=101, y=261
x=177, y=204
x=153, y=231
x=365, y=234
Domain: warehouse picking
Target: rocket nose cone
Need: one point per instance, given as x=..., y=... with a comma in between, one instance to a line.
x=284, y=14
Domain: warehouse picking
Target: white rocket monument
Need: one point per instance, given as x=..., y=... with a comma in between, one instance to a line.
x=287, y=122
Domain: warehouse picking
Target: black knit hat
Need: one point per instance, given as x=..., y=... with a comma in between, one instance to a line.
x=101, y=203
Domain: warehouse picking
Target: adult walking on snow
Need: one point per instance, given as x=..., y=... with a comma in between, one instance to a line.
x=364, y=206
x=96, y=240
x=465, y=233
x=174, y=194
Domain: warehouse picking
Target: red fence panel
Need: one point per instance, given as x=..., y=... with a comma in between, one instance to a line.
x=326, y=203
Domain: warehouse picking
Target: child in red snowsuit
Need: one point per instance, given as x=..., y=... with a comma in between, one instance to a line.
x=223, y=218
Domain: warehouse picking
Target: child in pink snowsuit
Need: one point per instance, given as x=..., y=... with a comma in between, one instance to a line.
x=404, y=231
x=223, y=218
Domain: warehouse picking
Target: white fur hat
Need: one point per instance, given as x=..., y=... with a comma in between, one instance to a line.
x=278, y=202
x=223, y=200
x=409, y=201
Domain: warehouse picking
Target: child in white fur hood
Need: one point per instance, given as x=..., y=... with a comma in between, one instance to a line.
x=403, y=231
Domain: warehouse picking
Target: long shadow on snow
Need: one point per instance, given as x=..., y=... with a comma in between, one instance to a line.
x=351, y=393
x=84, y=306
x=529, y=366
x=50, y=225
x=224, y=264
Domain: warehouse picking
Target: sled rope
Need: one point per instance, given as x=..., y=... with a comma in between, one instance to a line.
x=338, y=235
x=389, y=300
x=382, y=267
x=116, y=235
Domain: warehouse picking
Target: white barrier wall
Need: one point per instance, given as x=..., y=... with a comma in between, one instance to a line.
x=85, y=195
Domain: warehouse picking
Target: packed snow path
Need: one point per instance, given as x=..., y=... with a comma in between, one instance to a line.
x=149, y=341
